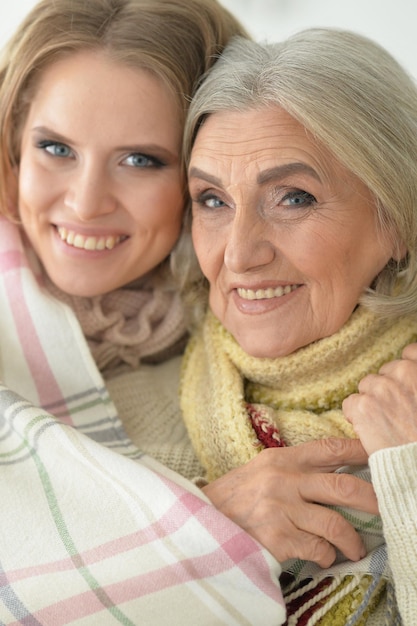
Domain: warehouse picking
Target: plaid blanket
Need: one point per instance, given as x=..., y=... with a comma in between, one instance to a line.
x=92, y=531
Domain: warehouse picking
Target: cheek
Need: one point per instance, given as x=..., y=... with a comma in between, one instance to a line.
x=197, y=240
x=325, y=255
x=173, y=211
x=171, y=197
x=157, y=206
x=12, y=186
x=314, y=257
x=205, y=250
x=35, y=190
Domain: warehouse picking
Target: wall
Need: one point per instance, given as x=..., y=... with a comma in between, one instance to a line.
x=391, y=22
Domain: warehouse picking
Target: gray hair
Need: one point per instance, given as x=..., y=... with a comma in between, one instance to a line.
x=355, y=99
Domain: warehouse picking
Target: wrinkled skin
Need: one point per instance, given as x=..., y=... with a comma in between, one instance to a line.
x=384, y=412
x=277, y=498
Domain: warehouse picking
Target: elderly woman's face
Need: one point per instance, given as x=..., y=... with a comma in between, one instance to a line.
x=286, y=236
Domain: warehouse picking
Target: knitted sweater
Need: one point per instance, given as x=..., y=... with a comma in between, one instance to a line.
x=234, y=405
x=148, y=405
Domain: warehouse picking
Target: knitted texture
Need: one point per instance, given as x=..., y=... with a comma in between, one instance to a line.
x=147, y=403
x=141, y=322
x=301, y=394
x=234, y=405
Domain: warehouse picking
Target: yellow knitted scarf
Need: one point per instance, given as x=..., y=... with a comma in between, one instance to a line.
x=234, y=405
x=301, y=393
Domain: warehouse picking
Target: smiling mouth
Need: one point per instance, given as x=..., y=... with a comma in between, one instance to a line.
x=83, y=242
x=265, y=294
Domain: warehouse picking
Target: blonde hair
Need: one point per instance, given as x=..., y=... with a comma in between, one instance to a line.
x=177, y=40
x=355, y=99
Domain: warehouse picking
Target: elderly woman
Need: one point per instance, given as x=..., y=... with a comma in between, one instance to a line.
x=304, y=196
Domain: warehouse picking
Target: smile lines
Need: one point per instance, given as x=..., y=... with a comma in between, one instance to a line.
x=265, y=294
x=89, y=242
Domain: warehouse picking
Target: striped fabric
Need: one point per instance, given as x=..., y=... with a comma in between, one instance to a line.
x=347, y=593
x=92, y=531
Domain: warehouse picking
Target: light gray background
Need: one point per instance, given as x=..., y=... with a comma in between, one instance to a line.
x=391, y=22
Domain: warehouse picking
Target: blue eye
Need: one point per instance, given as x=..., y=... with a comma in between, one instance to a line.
x=143, y=161
x=209, y=201
x=298, y=198
x=55, y=148
x=213, y=202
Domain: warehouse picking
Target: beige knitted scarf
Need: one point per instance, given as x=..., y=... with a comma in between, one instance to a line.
x=234, y=405
x=143, y=321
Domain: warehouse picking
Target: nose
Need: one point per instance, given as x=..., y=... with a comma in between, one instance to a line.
x=248, y=246
x=90, y=194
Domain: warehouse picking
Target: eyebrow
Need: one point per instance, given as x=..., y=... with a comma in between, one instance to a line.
x=273, y=173
x=44, y=130
x=196, y=172
x=288, y=169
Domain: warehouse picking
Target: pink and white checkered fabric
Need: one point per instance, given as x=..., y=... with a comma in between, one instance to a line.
x=92, y=531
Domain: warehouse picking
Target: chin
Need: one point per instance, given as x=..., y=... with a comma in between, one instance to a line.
x=263, y=348
x=79, y=289
x=258, y=349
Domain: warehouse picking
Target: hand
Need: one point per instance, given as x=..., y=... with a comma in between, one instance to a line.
x=384, y=412
x=277, y=499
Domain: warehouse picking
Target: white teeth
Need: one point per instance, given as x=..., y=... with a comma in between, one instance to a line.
x=88, y=243
x=265, y=294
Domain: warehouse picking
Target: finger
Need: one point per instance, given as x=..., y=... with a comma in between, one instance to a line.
x=313, y=537
x=337, y=532
x=358, y=405
x=410, y=352
x=398, y=369
x=368, y=383
x=339, y=490
x=302, y=545
x=394, y=377
x=327, y=455
x=286, y=541
x=349, y=404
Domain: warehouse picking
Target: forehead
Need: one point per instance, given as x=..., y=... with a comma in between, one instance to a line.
x=93, y=89
x=84, y=71
x=266, y=145
x=258, y=136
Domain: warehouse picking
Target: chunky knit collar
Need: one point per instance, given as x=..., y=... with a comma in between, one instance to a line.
x=224, y=390
x=143, y=321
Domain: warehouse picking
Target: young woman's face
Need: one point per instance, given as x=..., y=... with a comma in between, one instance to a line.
x=100, y=187
x=286, y=236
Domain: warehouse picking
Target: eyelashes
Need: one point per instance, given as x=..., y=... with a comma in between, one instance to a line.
x=298, y=198
x=287, y=198
x=140, y=160
x=55, y=148
x=136, y=160
x=208, y=200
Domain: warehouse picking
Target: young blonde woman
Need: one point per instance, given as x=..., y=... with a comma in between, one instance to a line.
x=93, y=95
